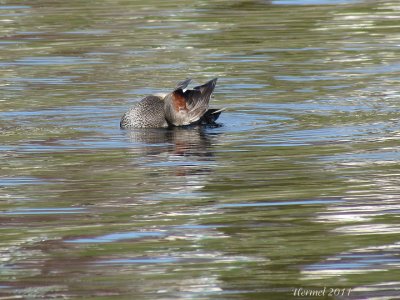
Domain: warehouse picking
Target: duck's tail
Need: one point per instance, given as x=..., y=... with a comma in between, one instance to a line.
x=211, y=116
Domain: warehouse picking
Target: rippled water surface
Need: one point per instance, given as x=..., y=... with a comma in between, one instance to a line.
x=298, y=189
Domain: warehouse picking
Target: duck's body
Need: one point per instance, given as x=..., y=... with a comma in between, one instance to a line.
x=148, y=113
x=178, y=108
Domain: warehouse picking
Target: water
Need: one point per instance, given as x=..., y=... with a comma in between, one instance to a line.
x=297, y=190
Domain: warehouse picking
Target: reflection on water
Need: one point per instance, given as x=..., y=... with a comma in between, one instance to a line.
x=309, y=202
x=179, y=141
x=44, y=211
x=311, y=2
x=114, y=237
x=298, y=188
x=362, y=261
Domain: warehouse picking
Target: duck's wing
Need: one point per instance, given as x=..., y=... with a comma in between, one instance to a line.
x=198, y=99
x=183, y=84
x=184, y=108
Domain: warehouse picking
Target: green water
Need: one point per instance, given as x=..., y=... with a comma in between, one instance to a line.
x=298, y=189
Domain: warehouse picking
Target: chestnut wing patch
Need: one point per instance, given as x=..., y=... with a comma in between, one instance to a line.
x=179, y=102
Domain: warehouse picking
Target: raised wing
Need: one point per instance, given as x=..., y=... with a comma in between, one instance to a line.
x=184, y=108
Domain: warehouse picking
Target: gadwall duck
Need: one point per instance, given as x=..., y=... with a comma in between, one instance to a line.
x=181, y=107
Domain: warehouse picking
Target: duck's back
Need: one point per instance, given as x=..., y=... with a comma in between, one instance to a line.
x=148, y=113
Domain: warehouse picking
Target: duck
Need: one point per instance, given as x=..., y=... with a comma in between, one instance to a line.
x=179, y=108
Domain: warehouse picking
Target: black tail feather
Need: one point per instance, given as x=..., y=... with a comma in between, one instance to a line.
x=210, y=116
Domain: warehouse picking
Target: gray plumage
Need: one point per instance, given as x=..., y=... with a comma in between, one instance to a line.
x=148, y=113
x=178, y=108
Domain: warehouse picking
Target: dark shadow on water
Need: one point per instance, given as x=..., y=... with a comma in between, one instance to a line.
x=185, y=141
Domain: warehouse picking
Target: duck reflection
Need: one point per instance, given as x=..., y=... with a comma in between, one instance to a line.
x=172, y=162
x=191, y=141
